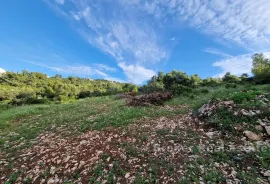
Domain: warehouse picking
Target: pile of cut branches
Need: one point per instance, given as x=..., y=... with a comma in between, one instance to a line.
x=149, y=99
x=126, y=95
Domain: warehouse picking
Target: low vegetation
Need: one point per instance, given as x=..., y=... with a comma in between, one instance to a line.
x=188, y=131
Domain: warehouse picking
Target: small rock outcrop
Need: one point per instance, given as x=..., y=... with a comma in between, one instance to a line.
x=252, y=136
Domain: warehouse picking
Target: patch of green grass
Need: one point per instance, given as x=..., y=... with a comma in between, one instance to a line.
x=131, y=150
x=169, y=168
x=27, y=122
x=265, y=87
x=241, y=97
x=221, y=156
x=251, y=104
x=144, y=138
x=247, y=176
x=213, y=176
x=199, y=96
x=163, y=132
x=28, y=180
x=224, y=120
x=9, y=166
x=19, y=112
x=22, y=124
x=193, y=170
x=192, y=175
x=123, y=115
x=45, y=173
x=195, y=150
x=111, y=176
x=13, y=177
x=140, y=179
x=192, y=134
x=264, y=157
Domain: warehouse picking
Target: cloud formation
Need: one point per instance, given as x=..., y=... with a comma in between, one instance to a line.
x=245, y=22
x=60, y=1
x=79, y=69
x=120, y=30
x=2, y=71
x=217, y=52
x=137, y=33
x=104, y=67
x=117, y=30
x=237, y=65
x=135, y=73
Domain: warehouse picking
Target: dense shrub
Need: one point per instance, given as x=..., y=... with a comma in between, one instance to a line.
x=231, y=85
x=180, y=83
x=244, y=96
x=261, y=69
x=28, y=101
x=84, y=94
x=179, y=89
x=19, y=87
x=152, y=87
x=200, y=91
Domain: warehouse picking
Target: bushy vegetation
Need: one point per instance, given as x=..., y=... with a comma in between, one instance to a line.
x=180, y=83
x=261, y=68
x=36, y=88
x=109, y=119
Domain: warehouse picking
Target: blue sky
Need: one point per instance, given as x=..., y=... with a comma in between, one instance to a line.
x=131, y=40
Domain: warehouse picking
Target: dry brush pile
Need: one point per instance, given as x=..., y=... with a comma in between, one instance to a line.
x=149, y=99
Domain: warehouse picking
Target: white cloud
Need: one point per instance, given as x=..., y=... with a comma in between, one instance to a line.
x=104, y=67
x=121, y=30
x=217, y=52
x=79, y=69
x=139, y=31
x=237, y=65
x=60, y=1
x=114, y=79
x=118, y=31
x=2, y=71
x=136, y=73
x=245, y=22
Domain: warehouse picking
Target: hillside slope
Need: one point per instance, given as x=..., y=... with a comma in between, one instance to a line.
x=221, y=136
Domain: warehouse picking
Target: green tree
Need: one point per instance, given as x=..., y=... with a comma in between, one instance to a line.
x=211, y=82
x=160, y=76
x=229, y=78
x=195, y=80
x=261, y=68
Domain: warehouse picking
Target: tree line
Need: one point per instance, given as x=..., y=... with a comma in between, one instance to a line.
x=179, y=82
x=34, y=87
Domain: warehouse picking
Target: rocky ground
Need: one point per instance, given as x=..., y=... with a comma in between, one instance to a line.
x=182, y=149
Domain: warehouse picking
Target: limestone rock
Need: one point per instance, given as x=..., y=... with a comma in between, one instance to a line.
x=252, y=136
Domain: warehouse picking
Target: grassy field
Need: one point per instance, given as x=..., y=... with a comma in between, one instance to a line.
x=23, y=123
x=20, y=126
